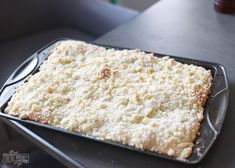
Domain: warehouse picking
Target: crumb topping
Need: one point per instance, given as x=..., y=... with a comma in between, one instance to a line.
x=127, y=96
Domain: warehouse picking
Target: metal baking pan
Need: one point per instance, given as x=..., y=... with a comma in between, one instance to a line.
x=214, y=113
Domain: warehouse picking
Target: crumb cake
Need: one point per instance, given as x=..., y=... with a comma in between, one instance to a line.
x=126, y=96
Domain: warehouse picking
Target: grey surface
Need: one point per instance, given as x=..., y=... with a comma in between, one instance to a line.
x=186, y=28
x=139, y=5
x=15, y=141
x=190, y=29
x=93, y=17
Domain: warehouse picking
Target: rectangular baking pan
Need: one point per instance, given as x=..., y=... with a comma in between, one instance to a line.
x=214, y=112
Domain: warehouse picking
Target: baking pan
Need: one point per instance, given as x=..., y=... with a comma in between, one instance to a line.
x=214, y=112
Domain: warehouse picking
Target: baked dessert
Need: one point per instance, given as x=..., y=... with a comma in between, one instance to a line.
x=126, y=96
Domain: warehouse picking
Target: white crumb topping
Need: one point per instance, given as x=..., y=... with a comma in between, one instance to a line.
x=127, y=96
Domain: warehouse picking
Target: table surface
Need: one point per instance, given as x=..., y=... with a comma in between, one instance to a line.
x=185, y=28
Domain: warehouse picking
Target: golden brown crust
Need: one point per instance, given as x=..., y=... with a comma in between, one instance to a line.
x=35, y=116
x=105, y=73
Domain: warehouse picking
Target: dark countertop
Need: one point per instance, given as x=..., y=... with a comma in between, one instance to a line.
x=185, y=28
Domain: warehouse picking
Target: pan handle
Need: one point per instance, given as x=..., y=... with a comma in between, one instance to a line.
x=30, y=65
x=17, y=77
x=219, y=99
x=25, y=69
